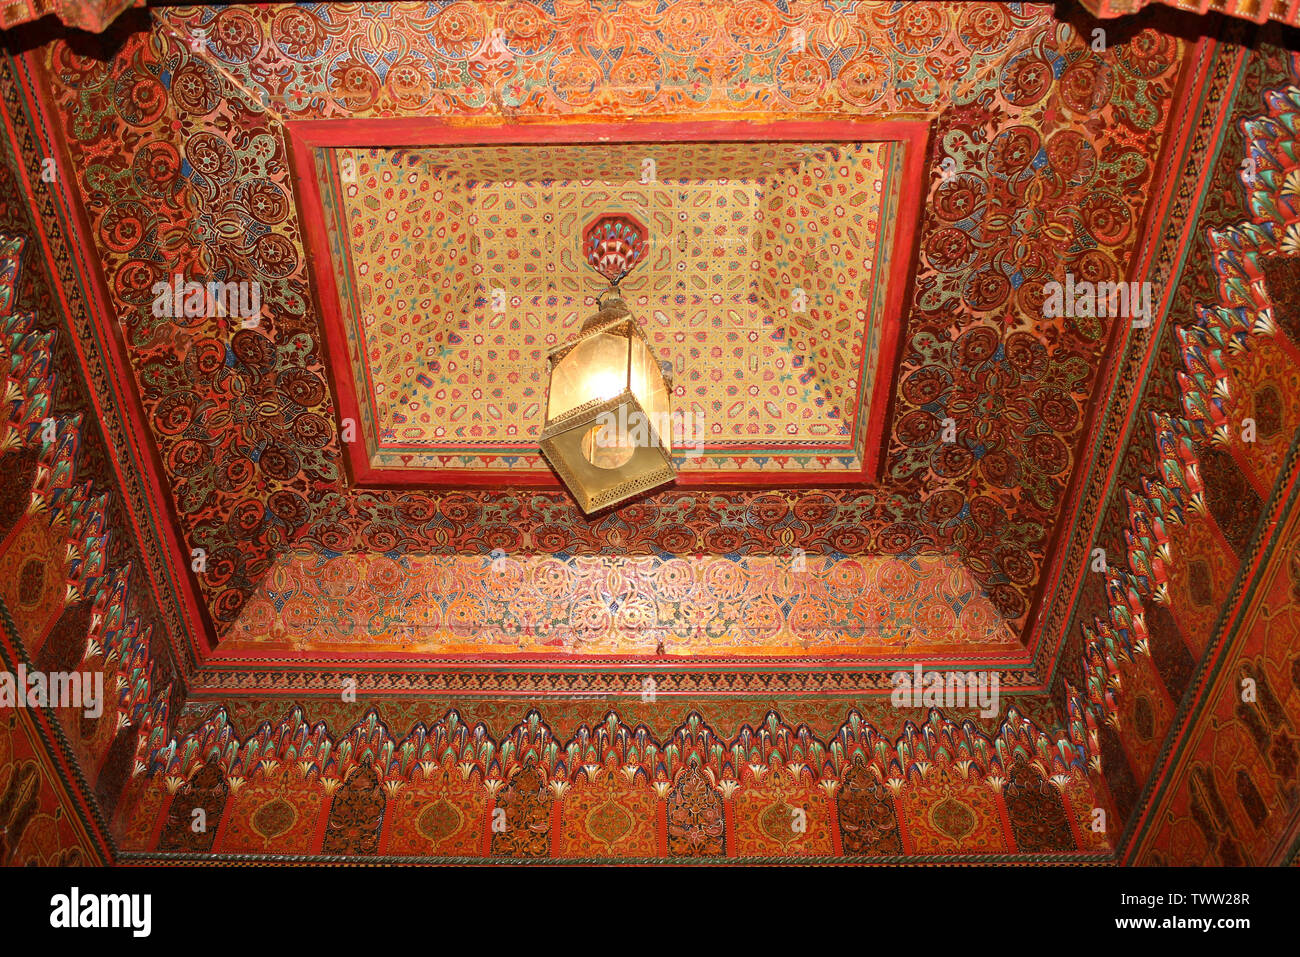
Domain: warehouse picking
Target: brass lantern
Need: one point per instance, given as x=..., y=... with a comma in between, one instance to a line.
x=607, y=431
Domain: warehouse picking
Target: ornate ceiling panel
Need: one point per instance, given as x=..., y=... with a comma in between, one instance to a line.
x=668, y=680
x=761, y=286
x=606, y=605
x=180, y=143
x=93, y=15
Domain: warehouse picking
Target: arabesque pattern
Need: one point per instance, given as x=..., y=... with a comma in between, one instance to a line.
x=179, y=152
x=635, y=605
x=458, y=268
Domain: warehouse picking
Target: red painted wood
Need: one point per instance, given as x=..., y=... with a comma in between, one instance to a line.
x=485, y=843
x=904, y=832
x=1008, y=838
x=224, y=824
x=557, y=817
x=661, y=827
x=1072, y=818
x=103, y=313
x=322, y=823
x=386, y=827
x=155, y=832
x=729, y=827
x=833, y=818
x=1165, y=178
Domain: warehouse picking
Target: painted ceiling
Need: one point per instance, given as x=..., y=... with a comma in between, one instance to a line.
x=633, y=606
x=500, y=640
x=1039, y=156
x=461, y=267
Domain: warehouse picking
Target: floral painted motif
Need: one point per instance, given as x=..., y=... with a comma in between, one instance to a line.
x=1030, y=116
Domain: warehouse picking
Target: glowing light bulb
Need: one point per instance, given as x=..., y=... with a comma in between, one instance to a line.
x=603, y=383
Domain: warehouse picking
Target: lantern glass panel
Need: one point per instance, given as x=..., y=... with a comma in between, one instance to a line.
x=650, y=390
x=594, y=370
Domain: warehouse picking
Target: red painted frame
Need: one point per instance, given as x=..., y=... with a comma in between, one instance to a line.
x=102, y=313
x=1164, y=182
x=307, y=135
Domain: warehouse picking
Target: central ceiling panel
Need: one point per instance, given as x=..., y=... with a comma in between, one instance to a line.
x=766, y=287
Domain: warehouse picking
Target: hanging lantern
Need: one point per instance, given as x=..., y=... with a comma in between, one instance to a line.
x=607, y=432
